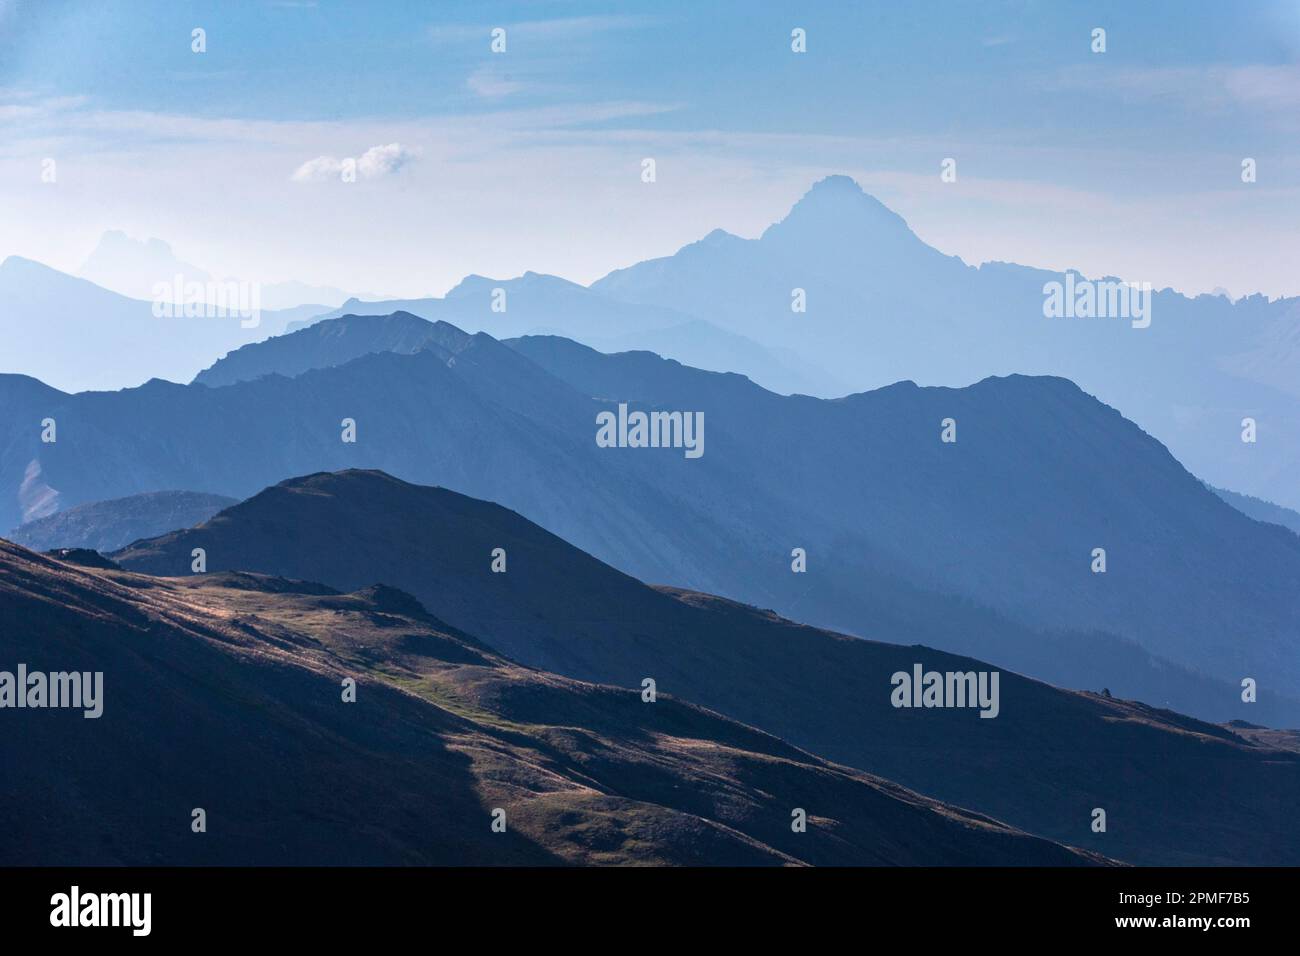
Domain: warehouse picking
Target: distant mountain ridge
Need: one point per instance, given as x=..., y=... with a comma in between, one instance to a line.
x=108, y=525
x=535, y=304
x=1261, y=510
x=133, y=267
x=839, y=296
x=327, y=344
x=76, y=336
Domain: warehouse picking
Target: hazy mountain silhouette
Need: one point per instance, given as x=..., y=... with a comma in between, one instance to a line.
x=1186, y=791
x=326, y=344
x=884, y=306
x=108, y=525
x=881, y=306
x=74, y=335
x=908, y=538
x=533, y=304
x=224, y=692
x=132, y=267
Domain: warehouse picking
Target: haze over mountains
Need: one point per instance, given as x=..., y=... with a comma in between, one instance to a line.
x=1185, y=791
x=133, y=267
x=542, y=304
x=881, y=306
x=70, y=333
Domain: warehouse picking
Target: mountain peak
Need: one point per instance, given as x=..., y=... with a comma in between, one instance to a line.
x=836, y=183
x=836, y=204
x=18, y=264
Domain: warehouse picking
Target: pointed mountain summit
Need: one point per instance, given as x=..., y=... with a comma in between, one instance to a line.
x=837, y=204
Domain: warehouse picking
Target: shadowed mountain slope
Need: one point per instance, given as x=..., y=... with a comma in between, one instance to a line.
x=1186, y=791
x=223, y=692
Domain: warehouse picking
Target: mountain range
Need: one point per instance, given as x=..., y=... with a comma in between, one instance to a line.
x=876, y=305
x=983, y=545
x=879, y=305
x=875, y=458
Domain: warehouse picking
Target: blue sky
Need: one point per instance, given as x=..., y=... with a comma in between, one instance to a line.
x=1126, y=162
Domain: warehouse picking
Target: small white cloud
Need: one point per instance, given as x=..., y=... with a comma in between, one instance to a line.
x=383, y=160
x=374, y=163
x=318, y=169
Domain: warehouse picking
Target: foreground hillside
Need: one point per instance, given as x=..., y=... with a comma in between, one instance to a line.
x=224, y=693
x=1176, y=790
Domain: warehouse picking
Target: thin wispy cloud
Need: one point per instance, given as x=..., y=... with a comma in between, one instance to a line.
x=492, y=85
x=560, y=28
x=23, y=105
x=1264, y=88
